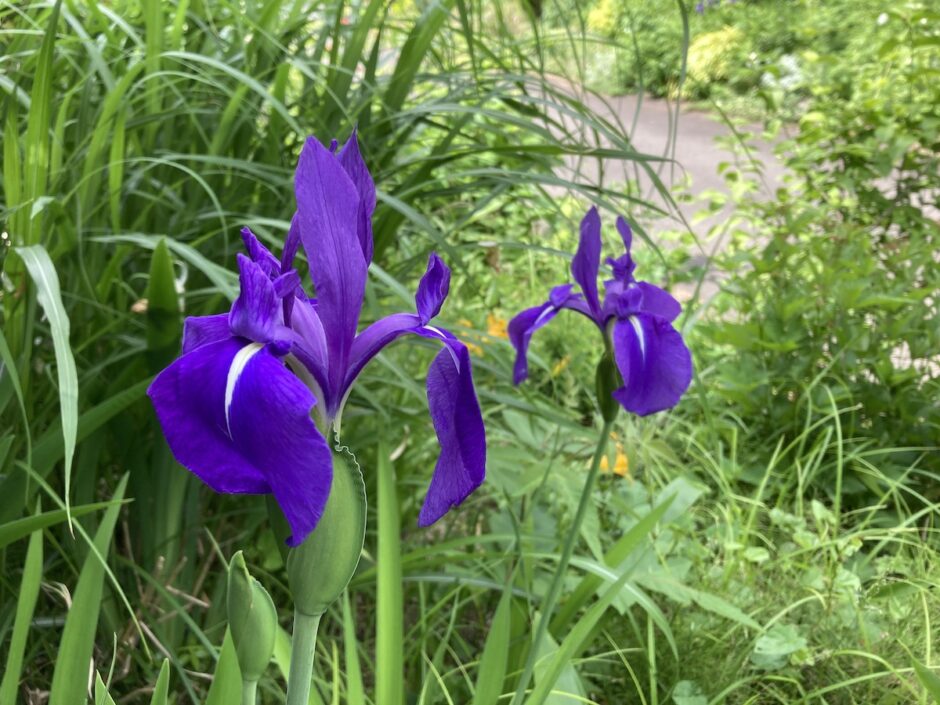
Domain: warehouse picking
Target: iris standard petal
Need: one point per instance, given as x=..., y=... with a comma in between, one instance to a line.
x=189, y=398
x=256, y=313
x=351, y=160
x=587, y=259
x=202, y=330
x=268, y=414
x=432, y=289
x=455, y=413
x=327, y=208
x=654, y=362
x=308, y=345
x=260, y=254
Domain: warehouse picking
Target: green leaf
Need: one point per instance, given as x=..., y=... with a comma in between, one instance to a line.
x=495, y=657
x=355, y=692
x=25, y=605
x=102, y=697
x=163, y=306
x=928, y=679
x=226, y=688
x=43, y=274
x=389, y=664
x=15, y=530
x=70, y=677
x=773, y=649
x=162, y=687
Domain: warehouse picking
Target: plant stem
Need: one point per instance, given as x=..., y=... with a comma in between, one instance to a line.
x=571, y=540
x=303, y=649
x=249, y=692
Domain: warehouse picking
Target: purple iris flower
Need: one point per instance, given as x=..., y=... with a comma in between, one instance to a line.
x=247, y=405
x=635, y=317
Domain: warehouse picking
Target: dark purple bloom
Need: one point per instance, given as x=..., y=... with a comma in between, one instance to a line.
x=247, y=404
x=635, y=318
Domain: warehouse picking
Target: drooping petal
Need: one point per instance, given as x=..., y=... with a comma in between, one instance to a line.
x=351, y=159
x=327, y=208
x=654, y=362
x=659, y=302
x=525, y=323
x=202, y=330
x=270, y=423
x=259, y=254
x=587, y=259
x=432, y=289
x=189, y=398
x=455, y=413
x=376, y=336
x=256, y=313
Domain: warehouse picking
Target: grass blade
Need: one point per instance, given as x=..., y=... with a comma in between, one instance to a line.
x=70, y=678
x=226, y=685
x=43, y=274
x=162, y=687
x=25, y=605
x=389, y=681
x=495, y=658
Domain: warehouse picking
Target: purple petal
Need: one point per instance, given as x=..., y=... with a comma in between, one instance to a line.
x=256, y=313
x=327, y=207
x=455, y=412
x=189, y=398
x=202, y=330
x=432, y=289
x=526, y=322
x=260, y=254
x=587, y=259
x=626, y=233
x=351, y=159
x=370, y=342
x=269, y=418
x=654, y=362
x=291, y=245
x=659, y=302
x=626, y=298
x=308, y=345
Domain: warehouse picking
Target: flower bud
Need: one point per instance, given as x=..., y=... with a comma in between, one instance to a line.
x=608, y=380
x=319, y=569
x=252, y=620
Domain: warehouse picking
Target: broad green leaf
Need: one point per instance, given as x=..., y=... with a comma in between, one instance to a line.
x=70, y=677
x=25, y=605
x=928, y=679
x=43, y=274
x=163, y=307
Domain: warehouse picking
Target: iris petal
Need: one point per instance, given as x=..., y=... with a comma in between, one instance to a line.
x=654, y=362
x=202, y=330
x=256, y=313
x=351, y=160
x=587, y=259
x=432, y=289
x=271, y=426
x=455, y=413
x=327, y=204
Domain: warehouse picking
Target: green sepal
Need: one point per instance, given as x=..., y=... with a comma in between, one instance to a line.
x=252, y=620
x=321, y=567
x=607, y=381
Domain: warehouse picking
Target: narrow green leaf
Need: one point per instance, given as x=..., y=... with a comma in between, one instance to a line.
x=15, y=530
x=389, y=666
x=163, y=308
x=355, y=692
x=25, y=605
x=226, y=687
x=43, y=274
x=102, y=697
x=495, y=658
x=162, y=688
x=70, y=677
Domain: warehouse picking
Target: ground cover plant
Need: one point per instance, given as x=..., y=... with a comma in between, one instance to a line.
x=760, y=530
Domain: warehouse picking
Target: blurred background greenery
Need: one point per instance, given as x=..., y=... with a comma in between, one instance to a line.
x=796, y=562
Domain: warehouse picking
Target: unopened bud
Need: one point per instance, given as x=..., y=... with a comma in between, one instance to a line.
x=252, y=620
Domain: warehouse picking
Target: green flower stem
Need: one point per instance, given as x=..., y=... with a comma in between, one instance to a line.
x=548, y=603
x=249, y=692
x=303, y=649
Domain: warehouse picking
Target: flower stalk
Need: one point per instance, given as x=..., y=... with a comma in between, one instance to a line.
x=571, y=540
x=303, y=650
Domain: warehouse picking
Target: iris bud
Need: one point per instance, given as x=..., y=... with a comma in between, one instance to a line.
x=252, y=620
x=319, y=569
x=607, y=381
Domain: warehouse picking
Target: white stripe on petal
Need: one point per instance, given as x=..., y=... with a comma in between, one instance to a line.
x=434, y=330
x=543, y=315
x=234, y=372
x=635, y=322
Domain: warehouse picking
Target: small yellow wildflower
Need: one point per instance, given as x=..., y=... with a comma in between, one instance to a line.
x=561, y=365
x=621, y=463
x=497, y=327
x=473, y=348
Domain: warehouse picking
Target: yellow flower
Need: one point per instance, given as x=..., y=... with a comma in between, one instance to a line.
x=621, y=463
x=561, y=365
x=473, y=348
x=496, y=327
